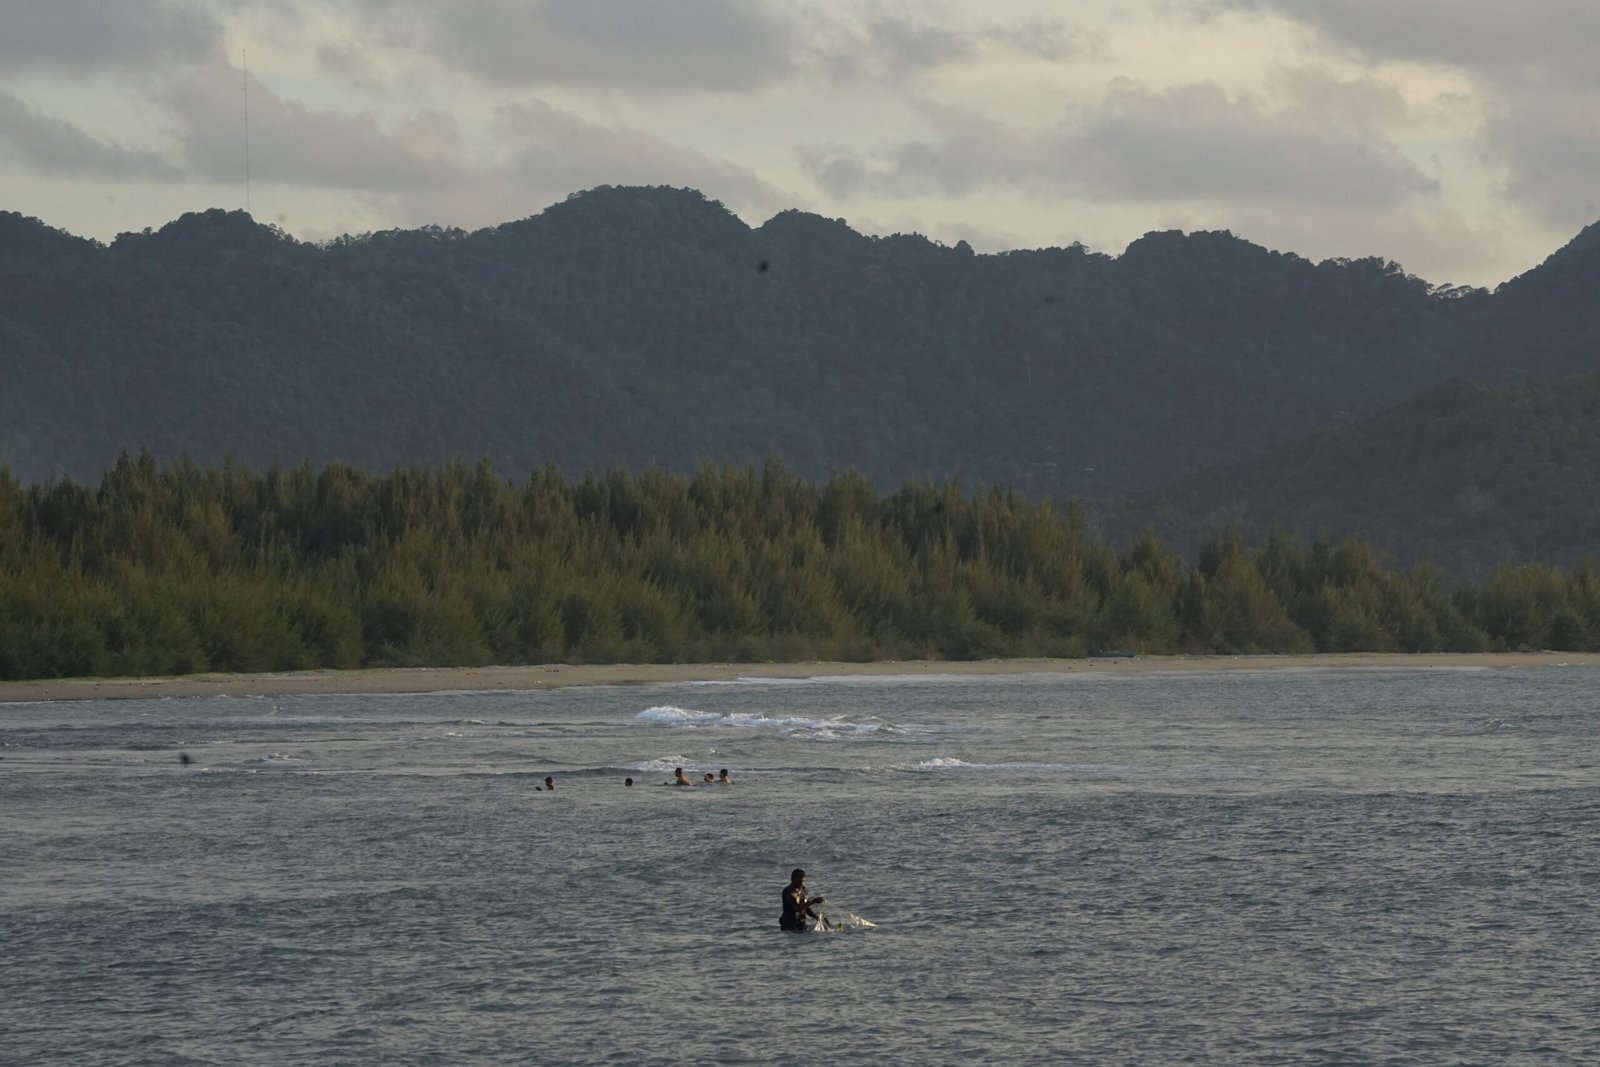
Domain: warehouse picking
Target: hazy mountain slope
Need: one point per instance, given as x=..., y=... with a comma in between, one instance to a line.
x=1469, y=476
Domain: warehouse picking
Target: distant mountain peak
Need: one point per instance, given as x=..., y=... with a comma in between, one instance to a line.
x=214, y=228
x=645, y=200
x=634, y=209
x=24, y=235
x=1582, y=251
x=1570, y=272
x=794, y=223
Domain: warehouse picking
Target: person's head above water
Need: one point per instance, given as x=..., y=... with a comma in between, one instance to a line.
x=549, y=781
x=627, y=781
x=708, y=776
x=796, y=876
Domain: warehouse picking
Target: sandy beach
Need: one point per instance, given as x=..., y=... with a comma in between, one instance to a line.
x=549, y=676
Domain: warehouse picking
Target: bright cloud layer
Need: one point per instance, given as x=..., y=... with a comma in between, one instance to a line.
x=1458, y=139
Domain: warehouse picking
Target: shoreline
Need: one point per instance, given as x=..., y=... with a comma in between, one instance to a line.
x=399, y=680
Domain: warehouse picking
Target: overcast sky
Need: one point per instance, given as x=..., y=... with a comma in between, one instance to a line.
x=1460, y=138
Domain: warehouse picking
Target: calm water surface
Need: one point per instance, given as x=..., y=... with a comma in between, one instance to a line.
x=1346, y=867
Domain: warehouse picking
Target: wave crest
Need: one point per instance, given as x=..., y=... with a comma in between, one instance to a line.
x=669, y=715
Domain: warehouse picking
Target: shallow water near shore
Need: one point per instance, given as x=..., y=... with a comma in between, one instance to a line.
x=1320, y=867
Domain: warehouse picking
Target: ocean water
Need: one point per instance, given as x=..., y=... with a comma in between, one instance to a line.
x=1324, y=867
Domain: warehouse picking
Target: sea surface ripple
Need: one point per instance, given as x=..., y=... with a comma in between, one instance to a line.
x=1326, y=867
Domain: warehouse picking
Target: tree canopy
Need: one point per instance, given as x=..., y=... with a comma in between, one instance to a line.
x=178, y=568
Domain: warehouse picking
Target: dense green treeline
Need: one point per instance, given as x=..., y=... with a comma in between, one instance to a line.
x=179, y=569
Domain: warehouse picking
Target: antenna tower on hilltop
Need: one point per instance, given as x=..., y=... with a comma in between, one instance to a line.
x=244, y=63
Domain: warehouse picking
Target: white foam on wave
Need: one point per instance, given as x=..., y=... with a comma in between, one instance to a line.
x=838, y=679
x=670, y=715
x=823, y=729
x=945, y=763
x=665, y=765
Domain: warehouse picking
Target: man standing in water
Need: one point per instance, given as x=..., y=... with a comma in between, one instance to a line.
x=797, y=904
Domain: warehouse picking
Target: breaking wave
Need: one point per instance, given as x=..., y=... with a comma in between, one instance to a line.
x=668, y=715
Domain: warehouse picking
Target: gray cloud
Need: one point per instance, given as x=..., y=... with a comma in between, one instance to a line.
x=86, y=34
x=56, y=147
x=694, y=45
x=1318, y=97
x=1193, y=142
x=628, y=44
x=1197, y=142
x=1427, y=239
x=919, y=45
x=1049, y=39
x=293, y=144
x=415, y=167
x=550, y=152
x=348, y=65
x=968, y=154
x=558, y=151
x=1530, y=40
x=890, y=48
x=1551, y=145
x=1533, y=61
x=887, y=49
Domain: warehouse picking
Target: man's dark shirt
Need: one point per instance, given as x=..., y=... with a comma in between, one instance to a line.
x=795, y=902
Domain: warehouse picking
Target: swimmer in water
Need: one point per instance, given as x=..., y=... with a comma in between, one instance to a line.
x=678, y=777
x=709, y=779
x=549, y=783
x=797, y=904
x=627, y=781
x=723, y=779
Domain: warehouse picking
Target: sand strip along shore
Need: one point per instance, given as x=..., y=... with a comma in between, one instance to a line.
x=550, y=676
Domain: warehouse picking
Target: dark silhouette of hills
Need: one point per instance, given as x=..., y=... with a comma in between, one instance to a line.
x=643, y=326
x=1467, y=476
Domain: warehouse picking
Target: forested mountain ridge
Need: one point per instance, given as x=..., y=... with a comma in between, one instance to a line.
x=651, y=326
x=1469, y=477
